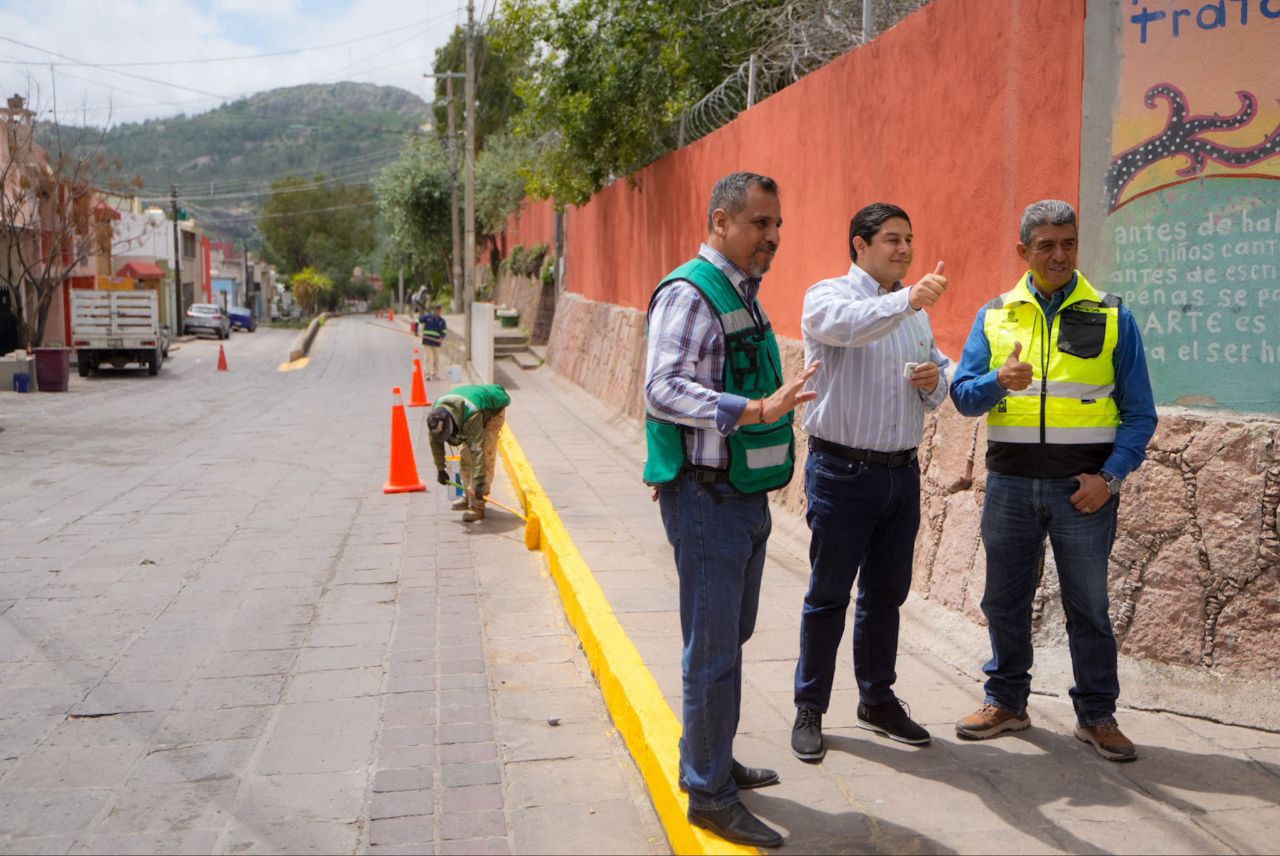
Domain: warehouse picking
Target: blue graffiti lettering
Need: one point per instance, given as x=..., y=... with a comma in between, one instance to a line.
x=1213, y=15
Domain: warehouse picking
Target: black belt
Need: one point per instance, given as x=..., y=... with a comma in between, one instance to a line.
x=868, y=456
x=708, y=476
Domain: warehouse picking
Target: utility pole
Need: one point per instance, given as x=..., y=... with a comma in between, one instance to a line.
x=455, y=223
x=868, y=25
x=456, y=278
x=469, y=222
x=177, y=263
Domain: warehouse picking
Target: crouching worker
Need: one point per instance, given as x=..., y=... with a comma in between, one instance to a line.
x=470, y=417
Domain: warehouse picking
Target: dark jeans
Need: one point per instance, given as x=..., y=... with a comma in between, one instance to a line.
x=719, y=549
x=1016, y=516
x=864, y=519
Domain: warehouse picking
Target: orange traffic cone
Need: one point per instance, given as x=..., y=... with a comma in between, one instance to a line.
x=418, y=391
x=403, y=477
x=222, y=360
x=391, y=316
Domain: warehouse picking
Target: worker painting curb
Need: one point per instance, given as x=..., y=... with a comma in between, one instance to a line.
x=641, y=714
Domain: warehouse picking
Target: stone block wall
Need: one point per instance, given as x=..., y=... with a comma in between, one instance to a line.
x=528, y=295
x=1195, y=573
x=600, y=347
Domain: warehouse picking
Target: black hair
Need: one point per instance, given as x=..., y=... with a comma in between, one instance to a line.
x=868, y=222
x=730, y=193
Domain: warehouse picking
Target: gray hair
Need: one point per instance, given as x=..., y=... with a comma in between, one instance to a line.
x=730, y=193
x=1046, y=212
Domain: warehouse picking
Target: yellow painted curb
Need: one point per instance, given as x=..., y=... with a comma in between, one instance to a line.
x=641, y=714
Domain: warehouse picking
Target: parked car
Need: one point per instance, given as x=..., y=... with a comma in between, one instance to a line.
x=242, y=318
x=208, y=317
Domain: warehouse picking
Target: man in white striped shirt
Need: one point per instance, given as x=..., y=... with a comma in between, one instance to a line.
x=880, y=370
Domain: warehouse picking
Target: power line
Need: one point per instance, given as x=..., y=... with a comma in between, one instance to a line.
x=237, y=218
x=111, y=70
x=282, y=190
x=232, y=58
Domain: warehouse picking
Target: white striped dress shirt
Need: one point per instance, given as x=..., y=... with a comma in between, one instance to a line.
x=684, y=366
x=864, y=336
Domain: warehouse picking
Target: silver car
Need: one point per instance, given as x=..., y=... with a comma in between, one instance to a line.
x=207, y=317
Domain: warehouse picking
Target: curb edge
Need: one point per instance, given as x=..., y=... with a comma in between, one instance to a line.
x=641, y=714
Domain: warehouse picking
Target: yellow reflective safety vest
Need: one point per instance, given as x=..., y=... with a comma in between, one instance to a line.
x=1065, y=422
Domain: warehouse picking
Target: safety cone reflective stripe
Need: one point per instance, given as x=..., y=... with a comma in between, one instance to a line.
x=222, y=360
x=403, y=476
x=418, y=393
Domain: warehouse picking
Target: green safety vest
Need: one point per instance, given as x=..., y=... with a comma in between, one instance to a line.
x=1064, y=422
x=482, y=396
x=761, y=457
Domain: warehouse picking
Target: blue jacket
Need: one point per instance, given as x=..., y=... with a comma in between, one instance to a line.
x=974, y=389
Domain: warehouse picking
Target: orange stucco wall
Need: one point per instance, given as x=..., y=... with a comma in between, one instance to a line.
x=962, y=114
x=533, y=224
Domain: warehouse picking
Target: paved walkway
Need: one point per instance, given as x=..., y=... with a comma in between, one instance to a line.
x=1199, y=786
x=218, y=634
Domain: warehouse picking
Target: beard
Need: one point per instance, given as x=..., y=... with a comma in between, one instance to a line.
x=758, y=269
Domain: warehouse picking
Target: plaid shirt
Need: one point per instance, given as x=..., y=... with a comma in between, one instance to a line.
x=684, y=369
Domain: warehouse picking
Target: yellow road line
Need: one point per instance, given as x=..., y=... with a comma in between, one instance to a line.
x=641, y=714
x=294, y=365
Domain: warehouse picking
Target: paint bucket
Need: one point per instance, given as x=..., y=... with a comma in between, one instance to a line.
x=21, y=382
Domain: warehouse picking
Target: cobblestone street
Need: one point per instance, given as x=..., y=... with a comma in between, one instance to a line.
x=218, y=635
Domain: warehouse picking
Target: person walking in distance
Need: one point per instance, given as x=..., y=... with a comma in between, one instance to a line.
x=433, y=327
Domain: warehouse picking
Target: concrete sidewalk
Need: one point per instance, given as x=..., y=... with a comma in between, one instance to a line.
x=1198, y=787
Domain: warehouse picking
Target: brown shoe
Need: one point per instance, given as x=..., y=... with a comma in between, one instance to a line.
x=473, y=515
x=1108, y=740
x=988, y=721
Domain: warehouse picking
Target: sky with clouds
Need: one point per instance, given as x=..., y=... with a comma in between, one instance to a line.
x=112, y=61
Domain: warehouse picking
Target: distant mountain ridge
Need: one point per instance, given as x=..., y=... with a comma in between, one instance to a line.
x=224, y=160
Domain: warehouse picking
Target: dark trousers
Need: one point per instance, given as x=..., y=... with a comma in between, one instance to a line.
x=1016, y=516
x=719, y=551
x=864, y=519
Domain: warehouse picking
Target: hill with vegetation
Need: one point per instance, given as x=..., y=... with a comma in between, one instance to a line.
x=223, y=161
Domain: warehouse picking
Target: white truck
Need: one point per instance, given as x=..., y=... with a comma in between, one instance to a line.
x=117, y=327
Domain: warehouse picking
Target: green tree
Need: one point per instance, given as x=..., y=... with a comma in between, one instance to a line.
x=501, y=183
x=498, y=66
x=311, y=289
x=603, y=95
x=413, y=195
x=314, y=223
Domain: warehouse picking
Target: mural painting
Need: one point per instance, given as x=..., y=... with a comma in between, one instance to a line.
x=1191, y=197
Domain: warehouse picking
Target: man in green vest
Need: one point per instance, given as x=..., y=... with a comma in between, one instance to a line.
x=1057, y=366
x=718, y=427
x=470, y=417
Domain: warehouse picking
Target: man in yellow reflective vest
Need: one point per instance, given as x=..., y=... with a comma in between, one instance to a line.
x=1058, y=368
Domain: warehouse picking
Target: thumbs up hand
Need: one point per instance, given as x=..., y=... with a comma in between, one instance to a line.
x=927, y=291
x=1014, y=374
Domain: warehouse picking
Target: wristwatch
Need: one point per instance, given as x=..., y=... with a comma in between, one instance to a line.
x=1113, y=483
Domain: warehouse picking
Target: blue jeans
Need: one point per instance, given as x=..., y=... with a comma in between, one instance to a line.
x=1016, y=516
x=719, y=550
x=863, y=520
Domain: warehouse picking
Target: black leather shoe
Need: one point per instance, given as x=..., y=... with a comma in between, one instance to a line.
x=746, y=778
x=750, y=778
x=806, y=736
x=736, y=824
x=893, y=720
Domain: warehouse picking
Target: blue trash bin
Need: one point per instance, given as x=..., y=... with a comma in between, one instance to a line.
x=21, y=382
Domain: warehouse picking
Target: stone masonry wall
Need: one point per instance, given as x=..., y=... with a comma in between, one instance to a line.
x=1195, y=573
